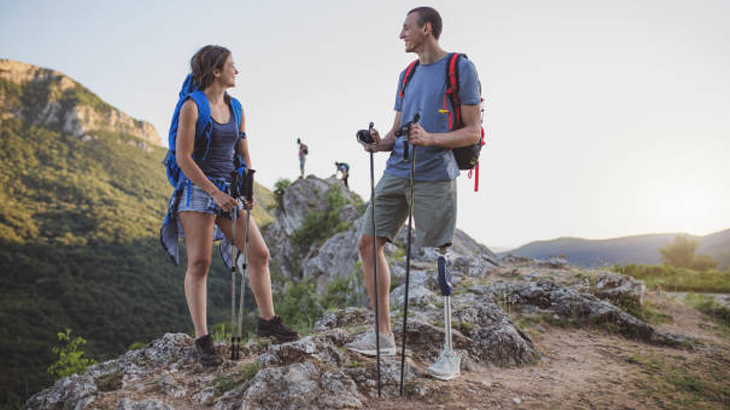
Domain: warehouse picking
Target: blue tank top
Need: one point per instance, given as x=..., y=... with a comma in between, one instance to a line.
x=219, y=161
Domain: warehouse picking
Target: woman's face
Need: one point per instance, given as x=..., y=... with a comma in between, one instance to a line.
x=228, y=73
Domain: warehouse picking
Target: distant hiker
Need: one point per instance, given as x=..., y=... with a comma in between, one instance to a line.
x=432, y=137
x=207, y=134
x=303, y=152
x=344, y=170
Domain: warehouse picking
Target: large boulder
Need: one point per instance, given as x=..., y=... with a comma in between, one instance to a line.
x=573, y=307
x=304, y=196
x=622, y=290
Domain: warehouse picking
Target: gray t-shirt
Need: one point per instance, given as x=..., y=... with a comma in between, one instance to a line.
x=424, y=95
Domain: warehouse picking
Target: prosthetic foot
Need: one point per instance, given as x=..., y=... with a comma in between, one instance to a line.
x=448, y=364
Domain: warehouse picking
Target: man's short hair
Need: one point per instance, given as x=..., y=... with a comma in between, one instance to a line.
x=429, y=15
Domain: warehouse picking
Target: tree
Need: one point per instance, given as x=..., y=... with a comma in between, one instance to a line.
x=680, y=252
x=704, y=262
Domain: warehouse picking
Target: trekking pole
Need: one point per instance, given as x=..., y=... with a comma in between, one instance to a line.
x=248, y=195
x=234, y=215
x=367, y=139
x=404, y=131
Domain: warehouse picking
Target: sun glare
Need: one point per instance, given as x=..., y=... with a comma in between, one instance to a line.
x=685, y=205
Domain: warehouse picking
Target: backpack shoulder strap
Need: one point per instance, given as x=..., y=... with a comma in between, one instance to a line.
x=237, y=111
x=204, y=126
x=203, y=109
x=408, y=75
x=452, y=87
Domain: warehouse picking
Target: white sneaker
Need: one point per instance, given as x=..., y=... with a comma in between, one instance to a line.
x=366, y=344
x=446, y=367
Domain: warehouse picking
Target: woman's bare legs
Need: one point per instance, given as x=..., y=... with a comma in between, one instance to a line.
x=198, y=231
x=258, y=261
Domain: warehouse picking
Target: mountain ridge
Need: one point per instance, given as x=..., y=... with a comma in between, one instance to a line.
x=638, y=249
x=51, y=99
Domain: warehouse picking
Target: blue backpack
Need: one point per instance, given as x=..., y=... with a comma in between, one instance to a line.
x=203, y=129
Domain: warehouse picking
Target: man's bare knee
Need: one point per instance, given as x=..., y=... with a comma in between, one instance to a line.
x=365, y=245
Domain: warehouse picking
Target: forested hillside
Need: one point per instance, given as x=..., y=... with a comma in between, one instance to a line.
x=79, y=247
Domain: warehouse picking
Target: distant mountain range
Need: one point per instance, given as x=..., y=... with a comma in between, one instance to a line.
x=640, y=249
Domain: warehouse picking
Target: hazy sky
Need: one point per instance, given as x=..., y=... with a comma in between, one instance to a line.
x=605, y=118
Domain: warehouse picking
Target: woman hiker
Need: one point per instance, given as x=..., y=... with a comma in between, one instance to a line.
x=201, y=203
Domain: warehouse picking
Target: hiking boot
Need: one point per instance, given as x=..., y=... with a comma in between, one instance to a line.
x=446, y=367
x=366, y=344
x=273, y=328
x=206, y=351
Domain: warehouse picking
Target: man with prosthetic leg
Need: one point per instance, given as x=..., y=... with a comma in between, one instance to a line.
x=422, y=183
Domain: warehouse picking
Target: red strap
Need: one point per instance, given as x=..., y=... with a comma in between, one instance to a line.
x=407, y=76
x=453, y=90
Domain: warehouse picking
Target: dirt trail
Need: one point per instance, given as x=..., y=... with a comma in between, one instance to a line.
x=593, y=369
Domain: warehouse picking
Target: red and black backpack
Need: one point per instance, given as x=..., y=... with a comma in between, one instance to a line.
x=466, y=157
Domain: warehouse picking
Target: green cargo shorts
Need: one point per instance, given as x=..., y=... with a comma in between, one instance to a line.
x=434, y=210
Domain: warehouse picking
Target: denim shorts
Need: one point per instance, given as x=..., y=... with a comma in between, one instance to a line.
x=193, y=198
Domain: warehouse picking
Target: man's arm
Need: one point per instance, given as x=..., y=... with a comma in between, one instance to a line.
x=469, y=134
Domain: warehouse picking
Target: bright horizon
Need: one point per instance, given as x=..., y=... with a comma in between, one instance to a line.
x=604, y=119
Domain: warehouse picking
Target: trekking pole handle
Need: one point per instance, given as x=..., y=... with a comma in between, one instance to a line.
x=404, y=130
x=248, y=185
x=234, y=185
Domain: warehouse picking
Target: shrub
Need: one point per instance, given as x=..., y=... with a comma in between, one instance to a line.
x=672, y=278
x=680, y=252
x=320, y=225
x=301, y=306
x=70, y=358
x=279, y=187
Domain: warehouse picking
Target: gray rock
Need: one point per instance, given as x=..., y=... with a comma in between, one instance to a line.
x=308, y=348
x=622, y=290
x=301, y=386
x=575, y=308
x=205, y=396
x=128, y=404
x=418, y=295
x=73, y=392
x=301, y=197
x=341, y=318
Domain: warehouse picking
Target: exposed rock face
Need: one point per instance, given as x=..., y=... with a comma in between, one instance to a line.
x=620, y=289
x=573, y=307
x=53, y=100
x=338, y=255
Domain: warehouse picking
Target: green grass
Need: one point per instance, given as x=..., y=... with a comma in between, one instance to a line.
x=649, y=314
x=224, y=383
x=673, y=279
x=673, y=382
x=709, y=306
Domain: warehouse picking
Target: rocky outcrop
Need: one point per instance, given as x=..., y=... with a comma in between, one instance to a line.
x=622, y=290
x=50, y=99
x=574, y=308
x=337, y=256
x=318, y=372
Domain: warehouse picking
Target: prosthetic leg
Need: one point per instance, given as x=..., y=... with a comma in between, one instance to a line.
x=448, y=364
